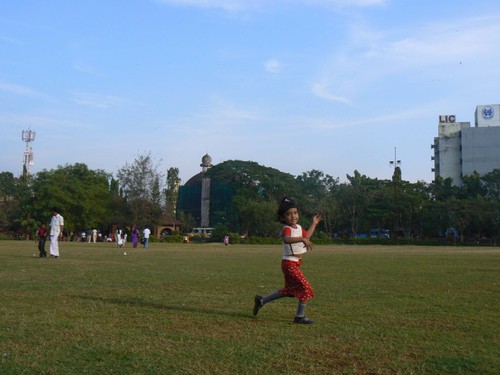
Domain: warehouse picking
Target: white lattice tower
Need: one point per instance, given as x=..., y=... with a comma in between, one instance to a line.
x=28, y=136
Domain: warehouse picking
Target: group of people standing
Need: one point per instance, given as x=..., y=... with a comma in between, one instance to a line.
x=56, y=231
x=92, y=235
x=121, y=237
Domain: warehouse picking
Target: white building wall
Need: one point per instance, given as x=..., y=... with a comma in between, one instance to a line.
x=460, y=150
x=449, y=154
x=487, y=115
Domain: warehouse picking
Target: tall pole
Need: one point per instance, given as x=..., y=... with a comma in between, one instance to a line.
x=396, y=180
x=395, y=162
x=28, y=136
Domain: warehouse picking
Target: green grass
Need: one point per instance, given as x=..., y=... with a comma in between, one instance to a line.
x=186, y=309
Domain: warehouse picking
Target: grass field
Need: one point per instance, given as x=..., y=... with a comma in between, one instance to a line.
x=187, y=309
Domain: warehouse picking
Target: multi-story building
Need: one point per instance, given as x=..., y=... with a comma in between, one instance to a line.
x=460, y=150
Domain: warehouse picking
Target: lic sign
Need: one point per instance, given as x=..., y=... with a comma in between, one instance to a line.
x=447, y=118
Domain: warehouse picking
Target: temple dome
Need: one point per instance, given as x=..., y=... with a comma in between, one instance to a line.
x=206, y=162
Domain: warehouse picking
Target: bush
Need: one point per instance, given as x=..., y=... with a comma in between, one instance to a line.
x=174, y=238
x=235, y=238
x=6, y=236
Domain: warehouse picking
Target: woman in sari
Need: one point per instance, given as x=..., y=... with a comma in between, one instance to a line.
x=135, y=236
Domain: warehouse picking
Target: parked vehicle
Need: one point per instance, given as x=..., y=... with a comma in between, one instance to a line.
x=201, y=232
x=451, y=233
x=380, y=233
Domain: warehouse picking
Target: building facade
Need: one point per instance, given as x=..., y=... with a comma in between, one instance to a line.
x=460, y=150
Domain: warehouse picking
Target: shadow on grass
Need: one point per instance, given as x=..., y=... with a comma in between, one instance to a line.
x=141, y=303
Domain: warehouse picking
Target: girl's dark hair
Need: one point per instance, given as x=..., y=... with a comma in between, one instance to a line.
x=285, y=205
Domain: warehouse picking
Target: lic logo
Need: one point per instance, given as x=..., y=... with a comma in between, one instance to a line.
x=488, y=112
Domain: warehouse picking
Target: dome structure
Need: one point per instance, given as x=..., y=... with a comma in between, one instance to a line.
x=206, y=162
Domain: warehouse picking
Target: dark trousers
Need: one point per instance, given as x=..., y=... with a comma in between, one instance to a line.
x=41, y=247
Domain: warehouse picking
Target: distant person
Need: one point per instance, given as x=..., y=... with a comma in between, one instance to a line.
x=226, y=239
x=296, y=242
x=42, y=238
x=56, y=231
x=94, y=235
x=146, y=232
x=119, y=236
x=135, y=236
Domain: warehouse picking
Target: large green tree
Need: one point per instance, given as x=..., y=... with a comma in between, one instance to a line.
x=140, y=186
x=172, y=191
x=355, y=198
x=9, y=199
x=318, y=195
x=81, y=194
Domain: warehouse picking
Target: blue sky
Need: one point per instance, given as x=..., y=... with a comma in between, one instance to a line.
x=332, y=85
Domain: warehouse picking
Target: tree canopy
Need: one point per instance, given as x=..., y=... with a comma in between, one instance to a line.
x=141, y=194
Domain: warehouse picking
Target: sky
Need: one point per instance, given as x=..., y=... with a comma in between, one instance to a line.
x=296, y=85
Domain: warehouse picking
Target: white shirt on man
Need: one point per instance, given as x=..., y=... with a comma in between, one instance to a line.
x=55, y=225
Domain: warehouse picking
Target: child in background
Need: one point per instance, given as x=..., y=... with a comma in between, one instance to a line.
x=42, y=237
x=296, y=242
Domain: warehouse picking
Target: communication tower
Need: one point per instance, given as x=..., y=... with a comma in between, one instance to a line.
x=28, y=136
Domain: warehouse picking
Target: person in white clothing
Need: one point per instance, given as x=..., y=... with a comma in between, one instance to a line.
x=119, y=236
x=56, y=231
x=146, y=232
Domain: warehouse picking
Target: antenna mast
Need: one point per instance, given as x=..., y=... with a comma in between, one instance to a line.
x=28, y=136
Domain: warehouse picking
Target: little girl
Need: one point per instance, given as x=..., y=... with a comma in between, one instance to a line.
x=296, y=242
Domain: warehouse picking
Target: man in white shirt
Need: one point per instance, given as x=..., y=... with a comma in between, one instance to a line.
x=56, y=230
x=146, y=232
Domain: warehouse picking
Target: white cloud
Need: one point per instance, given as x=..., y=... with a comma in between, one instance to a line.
x=23, y=91
x=20, y=120
x=273, y=66
x=97, y=100
x=227, y=5
x=435, y=51
x=344, y=3
x=321, y=90
x=248, y=5
x=220, y=119
x=86, y=68
x=440, y=43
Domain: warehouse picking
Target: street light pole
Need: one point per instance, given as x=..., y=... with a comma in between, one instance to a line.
x=396, y=179
x=395, y=162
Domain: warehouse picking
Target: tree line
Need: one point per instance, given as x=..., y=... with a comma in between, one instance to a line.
x=139, y=195
x=143, y=195
x=361, y=203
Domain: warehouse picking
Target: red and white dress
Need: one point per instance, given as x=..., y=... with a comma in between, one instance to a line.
x=296, y=283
